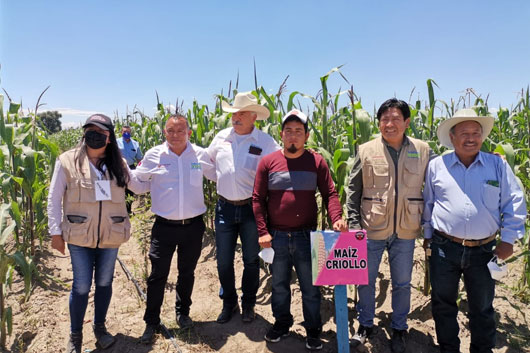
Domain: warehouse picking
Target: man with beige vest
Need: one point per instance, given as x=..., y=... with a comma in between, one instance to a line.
x=385, y=198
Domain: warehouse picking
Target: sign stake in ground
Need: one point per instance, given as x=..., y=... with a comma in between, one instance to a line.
x=339, y=259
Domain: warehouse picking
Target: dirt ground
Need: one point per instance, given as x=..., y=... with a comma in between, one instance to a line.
x=42, y=323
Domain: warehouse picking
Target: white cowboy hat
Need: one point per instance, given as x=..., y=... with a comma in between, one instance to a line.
x=460, y=116
x=245, y=101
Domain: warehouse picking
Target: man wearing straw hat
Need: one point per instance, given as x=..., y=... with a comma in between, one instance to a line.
x=470, y=197
x=236, y=152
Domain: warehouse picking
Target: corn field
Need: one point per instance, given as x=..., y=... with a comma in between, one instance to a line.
x=28, y=154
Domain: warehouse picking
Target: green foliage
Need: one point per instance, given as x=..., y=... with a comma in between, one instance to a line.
x=50, y=121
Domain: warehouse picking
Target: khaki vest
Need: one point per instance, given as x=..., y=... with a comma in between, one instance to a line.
x=381, y=186
x=103, y=224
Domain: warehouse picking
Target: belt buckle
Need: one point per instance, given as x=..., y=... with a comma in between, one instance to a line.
x=464, y=242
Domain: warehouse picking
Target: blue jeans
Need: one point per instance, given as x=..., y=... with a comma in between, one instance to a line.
x=400, y=257
x=86, y=261
x=449, y=261
x=230, y=222
x=294, y=248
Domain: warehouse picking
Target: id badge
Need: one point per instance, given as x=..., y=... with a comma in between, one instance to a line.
x=102, y=190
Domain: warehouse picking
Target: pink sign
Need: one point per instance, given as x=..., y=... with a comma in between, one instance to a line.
x=339, y=258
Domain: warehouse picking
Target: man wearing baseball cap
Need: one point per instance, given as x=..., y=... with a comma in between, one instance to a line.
x=470, y=197
x=285, y=207
x=236, y=152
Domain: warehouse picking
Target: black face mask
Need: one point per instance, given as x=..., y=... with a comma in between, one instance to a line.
x=95, y=140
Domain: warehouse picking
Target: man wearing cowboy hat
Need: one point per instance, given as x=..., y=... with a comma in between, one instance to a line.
x=470, y=196
x=236, y=152
x=384, y=197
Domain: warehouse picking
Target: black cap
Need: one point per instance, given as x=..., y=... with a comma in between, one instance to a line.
x=99, y=120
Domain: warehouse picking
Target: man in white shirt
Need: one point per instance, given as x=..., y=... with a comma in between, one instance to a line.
x=236, y=152
x=175, y=170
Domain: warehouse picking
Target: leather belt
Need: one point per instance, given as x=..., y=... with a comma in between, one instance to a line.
x=179, y=222
x=466, y=242
x=238, y=202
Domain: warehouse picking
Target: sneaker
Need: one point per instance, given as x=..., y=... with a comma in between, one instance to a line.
x=227, y=313
x=75, y=342
x=397, y=342
x=276, y=332
x=313, y=343
x=149, y=333
x=184, y=321
x=361, y=335
x=248, y=314
x=103, y=338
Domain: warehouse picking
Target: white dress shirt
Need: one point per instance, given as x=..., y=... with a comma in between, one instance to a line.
x=58, y=187
x=176, y=181
x=236, y=161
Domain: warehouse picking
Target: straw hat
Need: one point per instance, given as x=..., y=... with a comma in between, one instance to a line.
x=245, y=101
x=460, y=116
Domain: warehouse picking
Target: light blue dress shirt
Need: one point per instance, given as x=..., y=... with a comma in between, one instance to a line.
x=474, y=202
x=130, y=150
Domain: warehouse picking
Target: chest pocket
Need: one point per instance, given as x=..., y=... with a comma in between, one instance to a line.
x=195, y=175
x=491, y=196
x=412, y=176
x=376, y=176
x=251, y=162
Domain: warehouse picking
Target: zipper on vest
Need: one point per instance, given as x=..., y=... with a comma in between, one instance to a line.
x=99, y=223
x=396, y=189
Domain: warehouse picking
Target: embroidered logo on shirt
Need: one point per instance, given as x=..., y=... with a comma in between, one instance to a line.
x=413, y=154
x=195, y=166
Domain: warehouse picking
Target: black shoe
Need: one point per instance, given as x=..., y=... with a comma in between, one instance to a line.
x=361, y=335
x=276, y=332
x=227, y=313
x=313, y=343
x=74, y=343
x=184, y=321
x=248, y=314
x=103, y=338
x=397, y=342
x=149, y=333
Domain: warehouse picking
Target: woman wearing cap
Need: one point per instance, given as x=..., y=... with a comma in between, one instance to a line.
x=86, y=209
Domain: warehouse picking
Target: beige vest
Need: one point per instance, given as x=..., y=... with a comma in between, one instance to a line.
x=381, y=186
x=103, y=224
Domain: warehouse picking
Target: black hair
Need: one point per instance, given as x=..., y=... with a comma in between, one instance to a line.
x=294, y=118
x=113, y=160
x=178, y=116
x=394, y=103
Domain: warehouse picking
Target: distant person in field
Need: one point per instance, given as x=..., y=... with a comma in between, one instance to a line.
x=471, y=197
x=285, y=207
x=236, y=152
x=86, y=209
x=175, y=171
x=384, y=197
x=130, y=149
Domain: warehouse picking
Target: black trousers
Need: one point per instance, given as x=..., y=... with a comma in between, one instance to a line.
x=165, y=239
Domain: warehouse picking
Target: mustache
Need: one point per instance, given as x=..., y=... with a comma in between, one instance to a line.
x=237, y=123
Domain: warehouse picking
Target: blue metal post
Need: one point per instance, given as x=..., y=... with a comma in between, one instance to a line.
x=341, y=318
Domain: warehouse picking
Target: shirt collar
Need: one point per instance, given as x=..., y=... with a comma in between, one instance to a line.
x=252, y=135
x=166, y=150
x=455, y=160
x=405, y=141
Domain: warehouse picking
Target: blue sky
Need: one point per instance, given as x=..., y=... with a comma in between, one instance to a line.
x=107, y=56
